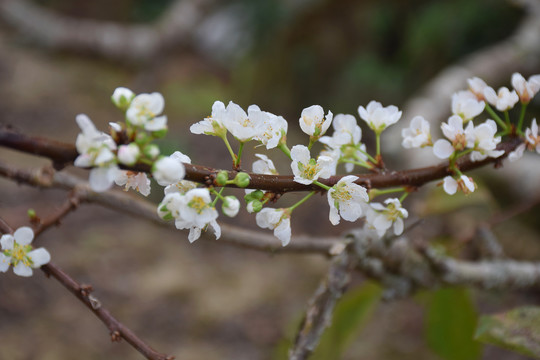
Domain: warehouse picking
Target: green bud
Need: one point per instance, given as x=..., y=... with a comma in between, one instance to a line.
x=160, y=133
x=254, y=206
x=31, y=214
x=242, y=179
x=151, y=151
x=257, y=194
x=222, y=178
x=142, y=138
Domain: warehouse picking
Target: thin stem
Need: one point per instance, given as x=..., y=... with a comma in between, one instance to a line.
x=283, y=147
x=362, y=164
x=304, y=199
x=218, y=195
x=325, y=187
x=373, y=193
x=226, y=141
x=239, y=157
x=371, y=158
x=521, y=118
x=404, y=196
x=378, y=144
x=507, y=118
x=496, y=117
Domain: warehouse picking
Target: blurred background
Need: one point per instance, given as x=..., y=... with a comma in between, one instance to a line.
x=207, y=300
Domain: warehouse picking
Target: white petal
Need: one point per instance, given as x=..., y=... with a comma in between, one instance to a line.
x=4, y=262
x=7, y=241
x=194, y=234
x=442, y=149
x=283, y=231
x=22, y=270
x=101, y=179
x=450, y=185
x=398, y=226
x=24, y=235
x=39, y=257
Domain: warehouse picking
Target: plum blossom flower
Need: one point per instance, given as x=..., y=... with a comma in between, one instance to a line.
x=144, y=109
x=181, y=186
x=482, y=139
x=532, y=137
x=386, y=216
x=264, y=165
x=133, y=179
x=278, y=220
x=378, y=117
x=526, y=90
x=463, y=183
x=313, y=122
x=477, y=86
x=417, y=134
x=17, y=251
x=270, y=128
x=503, y=99
x=453, y=130
x=193, y=211
x=466, y=105
x=168, y=170
x=307, y=170
x=239, y=124
x=212, y=125
x=346, y=199
x=122, y=97
x=96, y=149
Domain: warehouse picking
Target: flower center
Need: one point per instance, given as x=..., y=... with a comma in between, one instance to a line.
x=18, y=254
x=198, y=204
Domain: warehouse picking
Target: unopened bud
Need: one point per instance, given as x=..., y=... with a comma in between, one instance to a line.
x=222, y=178
x=242, y=179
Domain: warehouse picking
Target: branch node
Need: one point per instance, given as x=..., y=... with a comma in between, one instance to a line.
x=94, y=302
x=116, y=336
x=86, y=289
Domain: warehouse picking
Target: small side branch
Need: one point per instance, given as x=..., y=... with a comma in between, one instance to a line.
x=321, y=306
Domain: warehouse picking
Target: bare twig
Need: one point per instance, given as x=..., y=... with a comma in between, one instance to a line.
x=321, y=306
x=54, y=220
x=83, y=293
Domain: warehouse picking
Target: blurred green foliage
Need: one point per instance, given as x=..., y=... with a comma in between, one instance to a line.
x=449, y=324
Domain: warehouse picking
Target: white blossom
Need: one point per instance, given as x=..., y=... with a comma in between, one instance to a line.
x=466, y=105
x=264, y=165
x=133, y=179
x=313, y=122
x=517, y=153
x=453, y=130
x=181, y=186
x=168, y=170
x=477, y=86
x=346, y=131
x=128, y=154
x=231, y=206
x=463, y=183
x=212, y=125
x=239, y=124
x=378, y=117
x=526, y=90
x=269, y=127
x=417, y=134
x=482, y=139
x=278, y=220
x=17, y=251
x=96, y=149
x=346, y=199
x=532, y=137
x=503, y=99
x=307, y=170
x=386, y=216
x=144, y=110
x=196, y=212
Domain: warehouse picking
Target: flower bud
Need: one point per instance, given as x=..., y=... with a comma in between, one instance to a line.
x=231, y=206
x=168, y=171
x=222, y=178
x=242, y=179
x=254, y=206
x=128, y=154
x=151, y=151
x=122, y=97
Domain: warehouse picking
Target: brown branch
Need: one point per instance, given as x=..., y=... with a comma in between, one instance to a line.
x=83, y=293
x=64, y=153
x=321, y=306
x=54, y=220
x=136, y=206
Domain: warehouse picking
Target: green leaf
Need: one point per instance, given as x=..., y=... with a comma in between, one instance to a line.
x=450, y=324
x=350, y=315
x=517, y=330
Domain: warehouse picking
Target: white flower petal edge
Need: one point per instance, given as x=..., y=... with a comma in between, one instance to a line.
x=313, y=122
x=277, y=220
x=346, y=199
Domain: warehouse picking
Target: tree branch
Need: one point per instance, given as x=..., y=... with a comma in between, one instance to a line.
x=83, y=293
x=61, y=153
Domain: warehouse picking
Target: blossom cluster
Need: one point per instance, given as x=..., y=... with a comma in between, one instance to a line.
x=194, y=206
